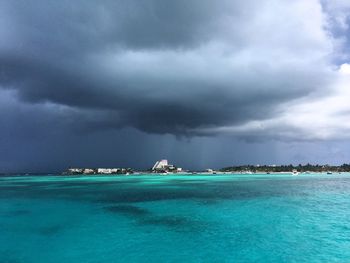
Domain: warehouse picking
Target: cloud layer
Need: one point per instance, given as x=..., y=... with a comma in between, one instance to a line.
x=184, y=67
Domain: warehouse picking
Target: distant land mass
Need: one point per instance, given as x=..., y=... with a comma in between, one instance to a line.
x=164, y=167
x=288, y=168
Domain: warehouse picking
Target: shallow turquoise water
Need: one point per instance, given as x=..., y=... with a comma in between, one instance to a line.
x=224, y=218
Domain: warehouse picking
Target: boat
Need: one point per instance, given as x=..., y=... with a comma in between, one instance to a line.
x=329, y=172
x=295, y=172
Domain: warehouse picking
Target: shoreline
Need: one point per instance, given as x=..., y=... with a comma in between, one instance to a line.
x=271, y=174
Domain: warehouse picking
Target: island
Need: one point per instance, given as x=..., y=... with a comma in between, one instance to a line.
x=163, y=167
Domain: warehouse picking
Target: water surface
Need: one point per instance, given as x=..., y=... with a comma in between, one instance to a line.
x=223, y=218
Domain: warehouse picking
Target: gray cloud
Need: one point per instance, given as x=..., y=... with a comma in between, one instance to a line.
x=163, y=66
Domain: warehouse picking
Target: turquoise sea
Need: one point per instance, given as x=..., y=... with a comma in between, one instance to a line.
x=177, y=218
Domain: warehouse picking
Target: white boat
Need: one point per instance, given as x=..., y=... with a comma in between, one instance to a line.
x=295, y=172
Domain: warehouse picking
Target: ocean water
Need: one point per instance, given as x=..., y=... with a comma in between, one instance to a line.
x=222, y=218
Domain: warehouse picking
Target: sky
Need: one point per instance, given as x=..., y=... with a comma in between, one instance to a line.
x=202, y=83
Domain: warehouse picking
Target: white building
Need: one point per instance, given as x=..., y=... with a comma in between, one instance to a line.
x=159, y=165
x=88, y=171
x=104, y=170
x=110, y=170
x=75, y=170
x=164, y=166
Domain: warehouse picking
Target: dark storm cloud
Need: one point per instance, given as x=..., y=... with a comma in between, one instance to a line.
x=151, y=24
x=160, y=66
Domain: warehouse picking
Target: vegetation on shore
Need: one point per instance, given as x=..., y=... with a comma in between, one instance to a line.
x=288, y=168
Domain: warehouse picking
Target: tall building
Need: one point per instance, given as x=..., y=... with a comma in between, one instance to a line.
x=160, y=165
x=163, y=166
